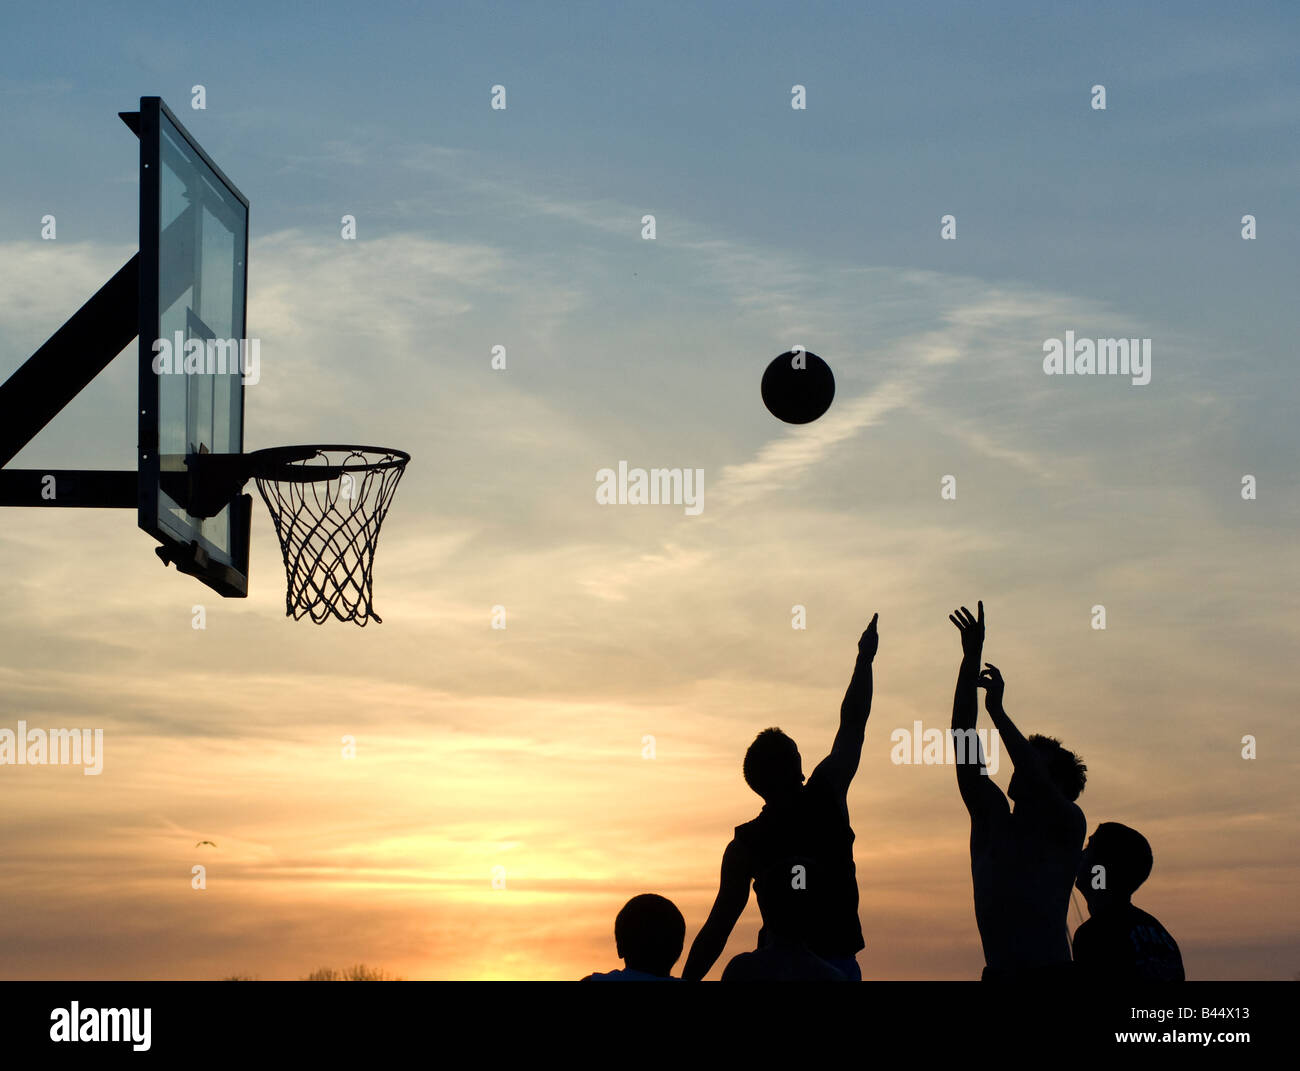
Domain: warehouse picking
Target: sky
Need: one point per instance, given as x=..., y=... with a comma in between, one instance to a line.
x=501, y=807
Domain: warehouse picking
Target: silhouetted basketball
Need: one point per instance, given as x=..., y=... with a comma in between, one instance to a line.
x=798, y=395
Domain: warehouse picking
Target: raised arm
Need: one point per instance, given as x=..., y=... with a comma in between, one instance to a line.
x=733, y=895
x=1026, y=758
x=846, y=752
x=977, y=789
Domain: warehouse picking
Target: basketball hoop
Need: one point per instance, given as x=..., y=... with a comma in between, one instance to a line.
x=327, y=503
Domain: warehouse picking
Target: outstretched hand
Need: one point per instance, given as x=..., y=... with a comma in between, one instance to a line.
x=972, y=631
x=991, y=680
x=870, y=641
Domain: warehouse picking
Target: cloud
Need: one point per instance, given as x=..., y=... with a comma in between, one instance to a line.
x=525, y=745
x=782, y=462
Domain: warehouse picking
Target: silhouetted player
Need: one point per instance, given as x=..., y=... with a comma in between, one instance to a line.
x=648, y=935
x=785, y=955
x=1023, y=861
x=801, y=840
x=1120, y=942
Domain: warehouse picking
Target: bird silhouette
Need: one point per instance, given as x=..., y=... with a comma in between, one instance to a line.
x=203, y=842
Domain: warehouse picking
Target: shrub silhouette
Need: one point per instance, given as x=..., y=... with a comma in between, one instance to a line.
x=358, y=973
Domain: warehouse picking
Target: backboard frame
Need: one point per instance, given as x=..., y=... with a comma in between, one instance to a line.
x=199, y=480
x=194, y=556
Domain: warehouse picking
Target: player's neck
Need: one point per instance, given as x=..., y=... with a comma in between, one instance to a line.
x=1105, y=903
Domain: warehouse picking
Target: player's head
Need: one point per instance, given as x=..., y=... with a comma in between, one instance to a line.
x=773, y=767
x=1065, y=768
x=1116, y=861
x=649, y=933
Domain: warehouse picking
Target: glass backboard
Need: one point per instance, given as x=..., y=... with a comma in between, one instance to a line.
x=193, y=292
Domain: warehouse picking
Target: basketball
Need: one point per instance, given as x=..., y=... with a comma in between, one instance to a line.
x=798, y=388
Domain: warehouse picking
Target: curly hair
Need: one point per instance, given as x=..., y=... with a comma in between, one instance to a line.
x=1065, y=768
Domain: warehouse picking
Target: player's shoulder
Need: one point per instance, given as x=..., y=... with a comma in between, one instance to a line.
x=828, y=781
x=1142, y=918
x=1138, y=917
x=739, y=968
x=1074, y=821
x=746, y=832
x=737, y=854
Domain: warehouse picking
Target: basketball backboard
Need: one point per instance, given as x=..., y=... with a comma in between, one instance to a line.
x=184, y=296
x=192, y=334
